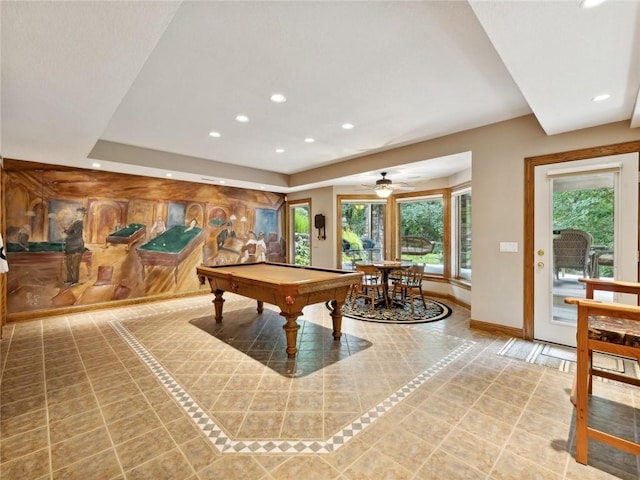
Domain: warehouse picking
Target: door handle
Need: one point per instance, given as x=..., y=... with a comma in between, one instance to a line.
x=540, y=264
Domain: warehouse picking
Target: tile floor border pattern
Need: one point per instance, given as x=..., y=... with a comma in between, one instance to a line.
x=226, y=445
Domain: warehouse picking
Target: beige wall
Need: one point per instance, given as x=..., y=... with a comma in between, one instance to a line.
x=498, y=153
x=322, y=201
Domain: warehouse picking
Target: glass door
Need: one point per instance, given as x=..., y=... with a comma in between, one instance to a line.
x=300, y=221
x=362, y=232
x=581, y=230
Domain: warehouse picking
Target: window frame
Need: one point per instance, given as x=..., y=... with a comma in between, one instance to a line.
x=456, y=194
x=445, y=195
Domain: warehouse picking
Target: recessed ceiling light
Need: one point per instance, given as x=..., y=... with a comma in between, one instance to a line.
x=279, y=150
x=347, y=126
x=96, y=165
x=591, y=3
x=278, y=98
x=309, y=140
x=242, y=118
x=600, y=98
x=214, y=134
x=168, y=175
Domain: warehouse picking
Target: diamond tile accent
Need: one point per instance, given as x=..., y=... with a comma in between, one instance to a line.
x=224, y=444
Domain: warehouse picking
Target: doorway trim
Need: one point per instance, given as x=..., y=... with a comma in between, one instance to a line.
x=530, y=163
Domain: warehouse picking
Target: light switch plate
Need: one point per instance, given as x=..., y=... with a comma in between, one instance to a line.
x=508, y=246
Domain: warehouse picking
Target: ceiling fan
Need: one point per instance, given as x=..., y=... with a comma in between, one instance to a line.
x=385, y=187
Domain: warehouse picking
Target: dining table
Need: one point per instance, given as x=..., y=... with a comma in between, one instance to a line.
x=386, y=267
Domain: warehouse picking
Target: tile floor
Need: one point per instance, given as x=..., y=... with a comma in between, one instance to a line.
x=161, y=391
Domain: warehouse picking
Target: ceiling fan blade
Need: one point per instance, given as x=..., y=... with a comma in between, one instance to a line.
x=402, y=188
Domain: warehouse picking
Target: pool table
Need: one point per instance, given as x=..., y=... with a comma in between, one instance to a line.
x=127, y=235
x=42, y=252
x=290, y=287
x=170, y=248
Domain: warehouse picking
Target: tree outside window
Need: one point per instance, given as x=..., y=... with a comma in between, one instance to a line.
x=424, y=218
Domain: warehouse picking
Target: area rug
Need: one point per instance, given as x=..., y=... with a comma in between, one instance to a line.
x=563, y=358
x=399, y=313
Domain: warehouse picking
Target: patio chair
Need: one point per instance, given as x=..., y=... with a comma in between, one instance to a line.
x=408, y=284
x=612, y=328
x=601, y=259
x=572, y=249
x=372, y=286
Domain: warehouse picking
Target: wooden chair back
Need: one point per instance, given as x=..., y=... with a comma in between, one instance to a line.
x=371, y=275
x=413, y=276
x=372, y=286
x=408, y=284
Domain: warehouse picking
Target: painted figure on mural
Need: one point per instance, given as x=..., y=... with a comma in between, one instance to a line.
x=192, y=225
x=23, y=236
x=158, y=228
x=261, y=248
x=228, y=232
x=250, y=248
x=74, y=247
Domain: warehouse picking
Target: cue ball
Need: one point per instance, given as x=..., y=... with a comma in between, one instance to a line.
x=164, y=244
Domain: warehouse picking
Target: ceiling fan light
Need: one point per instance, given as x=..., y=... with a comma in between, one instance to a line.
x=383, y=191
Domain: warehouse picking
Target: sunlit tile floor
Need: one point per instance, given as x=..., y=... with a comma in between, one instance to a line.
x=161, y=391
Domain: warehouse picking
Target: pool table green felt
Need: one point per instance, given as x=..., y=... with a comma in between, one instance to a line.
x=170, y=248
x=127, y=235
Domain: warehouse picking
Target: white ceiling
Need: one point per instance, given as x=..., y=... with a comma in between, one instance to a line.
x=79, y=76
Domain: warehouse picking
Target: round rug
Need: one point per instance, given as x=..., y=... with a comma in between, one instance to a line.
x=399, y=313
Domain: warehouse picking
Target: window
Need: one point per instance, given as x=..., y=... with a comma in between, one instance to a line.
x=421, y=228
x=300, y=239
x=462, y=234
x=362, y=232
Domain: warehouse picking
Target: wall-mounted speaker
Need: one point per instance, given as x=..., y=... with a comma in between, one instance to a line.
x=318, y=222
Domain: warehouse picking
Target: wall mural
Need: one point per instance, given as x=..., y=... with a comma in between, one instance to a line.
x=83, y=237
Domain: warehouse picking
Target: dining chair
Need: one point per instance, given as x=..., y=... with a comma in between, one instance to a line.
x=612, y=328
x=372, y=286
x=408, y=284
x=395, y=275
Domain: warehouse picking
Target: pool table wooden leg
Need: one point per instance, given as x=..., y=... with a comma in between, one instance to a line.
x=336, y=316
x=291, y=331
x=218, y=302
x=260, y=306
